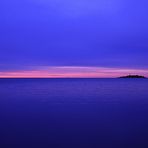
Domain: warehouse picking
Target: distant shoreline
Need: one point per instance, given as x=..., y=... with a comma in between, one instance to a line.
x=133, y=76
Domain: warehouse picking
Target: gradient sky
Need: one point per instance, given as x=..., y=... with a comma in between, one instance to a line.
x=72, y=38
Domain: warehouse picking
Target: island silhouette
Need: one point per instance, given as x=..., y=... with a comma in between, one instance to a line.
x=132, y=76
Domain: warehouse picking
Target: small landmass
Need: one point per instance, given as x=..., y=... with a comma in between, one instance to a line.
x=133, y=76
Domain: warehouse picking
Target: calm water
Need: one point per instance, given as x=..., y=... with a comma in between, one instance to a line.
x=73, y=113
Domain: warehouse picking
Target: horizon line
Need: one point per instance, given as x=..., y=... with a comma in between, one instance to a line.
x=72, y=72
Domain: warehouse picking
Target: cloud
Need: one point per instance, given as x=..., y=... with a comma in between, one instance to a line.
x=72, y=72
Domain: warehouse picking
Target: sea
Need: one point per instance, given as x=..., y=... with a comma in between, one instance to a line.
x=74, y=113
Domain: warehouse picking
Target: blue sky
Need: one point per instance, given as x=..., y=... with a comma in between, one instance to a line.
x=88, y=33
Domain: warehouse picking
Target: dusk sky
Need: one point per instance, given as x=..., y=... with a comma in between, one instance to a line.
x=73, y=38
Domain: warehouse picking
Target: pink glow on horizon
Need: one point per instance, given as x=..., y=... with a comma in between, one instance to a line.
x=73, y=72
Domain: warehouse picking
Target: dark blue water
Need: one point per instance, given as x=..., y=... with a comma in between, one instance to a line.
x=73, y=113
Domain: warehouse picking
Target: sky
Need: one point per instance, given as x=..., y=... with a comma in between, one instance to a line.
x=73, y=38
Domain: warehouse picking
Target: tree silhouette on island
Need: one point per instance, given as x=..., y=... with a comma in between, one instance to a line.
x=133, y=76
